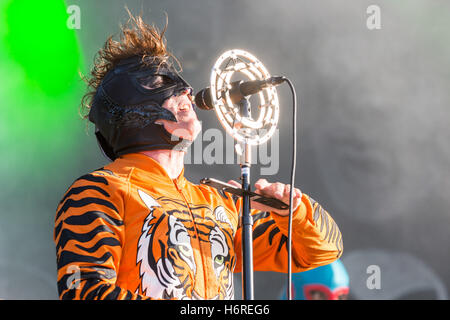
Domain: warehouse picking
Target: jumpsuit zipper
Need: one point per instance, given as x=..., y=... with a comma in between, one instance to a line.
x=198, y=238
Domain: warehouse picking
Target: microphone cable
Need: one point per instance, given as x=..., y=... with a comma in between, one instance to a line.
x=292, y=180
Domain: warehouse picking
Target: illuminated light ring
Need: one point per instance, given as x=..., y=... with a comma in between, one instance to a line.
x=239, y=61
x=246, y=121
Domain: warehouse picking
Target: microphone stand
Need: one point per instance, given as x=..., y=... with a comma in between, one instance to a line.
x=231, y=62
x=246, y=218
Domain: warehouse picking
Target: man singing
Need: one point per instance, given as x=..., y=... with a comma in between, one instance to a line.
x=136, y=228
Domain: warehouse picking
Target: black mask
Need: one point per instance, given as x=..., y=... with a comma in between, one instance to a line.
x=129, y=101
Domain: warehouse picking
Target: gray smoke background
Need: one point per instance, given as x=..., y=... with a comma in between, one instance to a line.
x=374, y=134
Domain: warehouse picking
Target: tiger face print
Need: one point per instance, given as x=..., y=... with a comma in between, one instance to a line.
x=172, y=249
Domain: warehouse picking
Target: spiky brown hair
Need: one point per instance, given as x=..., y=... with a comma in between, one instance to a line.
x=136, y=38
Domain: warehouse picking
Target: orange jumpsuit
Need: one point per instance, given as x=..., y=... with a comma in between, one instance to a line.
x=129, y=231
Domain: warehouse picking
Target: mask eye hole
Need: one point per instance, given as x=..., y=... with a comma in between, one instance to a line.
x=155, y=82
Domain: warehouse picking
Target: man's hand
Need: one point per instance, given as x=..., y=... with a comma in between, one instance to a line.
x=276, y=190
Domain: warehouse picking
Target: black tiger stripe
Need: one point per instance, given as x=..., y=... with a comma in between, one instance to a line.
x=182, y=203
x=105, y=170
x=261, y=229
x=174, y=211
x=335, y=233
x=329, y=230
x=101, y=290
x=109, y=241
x=186, y=221
x=205, y=235
x=201, y=217
x=233, y=262
x=331, y=235
x=69, y=295
x=316, y=212
x=223, y=194
x=283, y=241
x=235, y=199
x=70, y=203
x=218, y=239
x=62, y=286
x=69, y=283
x=183, y=284
x=208, y=226
x=89, y=285
x=129, y=295
x=272, y=234
x=105, y=272
x=338, y=232
x=67, y=257
x=78, y=190
x=195, y=207
x=314, y=206
x=339, y=244
x=326, y=222
x=57, y=230
x=90, y=216
x=113, y=295
x=205, y=226
x=167, y=272
x=151, y=258
x=173, y=259
x=86, y=219
x=336, y=241
x=260, y=215
x=67, y=235
x=92, y=178
x=321, y=219
x=84, y=275
x=96, y=275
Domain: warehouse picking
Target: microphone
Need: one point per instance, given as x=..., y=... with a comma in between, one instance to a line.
x=238, y=91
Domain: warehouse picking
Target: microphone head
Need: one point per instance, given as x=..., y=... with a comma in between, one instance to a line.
x=203, y=99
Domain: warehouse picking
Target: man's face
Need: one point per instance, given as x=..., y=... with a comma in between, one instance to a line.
x=187, y=126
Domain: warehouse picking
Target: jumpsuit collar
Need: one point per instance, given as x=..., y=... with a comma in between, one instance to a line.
x=151, y=167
